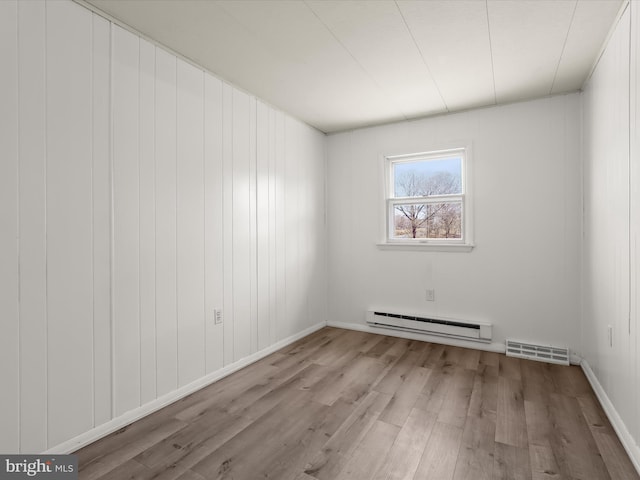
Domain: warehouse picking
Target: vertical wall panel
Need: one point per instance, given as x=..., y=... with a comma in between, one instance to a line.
x=10, y=324
x=293, y=315
x=606, y=296
x=147, y=223
x=635, y=207
x=262, y=224
x=32, y=146
x=228, y=220
x=69, y=222
x=241, y=225
x=272, y=227
x=306, y=246
x=190, y=223
x=166, y=309
x=214, y=257
x=280, y=226
x=101, y=219
x=305, y=183
x=318, y=250
x=253, y=254
x=611, y=223
x=126, y=214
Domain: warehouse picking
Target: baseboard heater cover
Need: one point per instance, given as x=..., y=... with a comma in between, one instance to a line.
x=541, y=353
x=447, y=327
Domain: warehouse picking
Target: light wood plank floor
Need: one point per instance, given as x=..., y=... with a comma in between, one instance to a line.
x=340, y=404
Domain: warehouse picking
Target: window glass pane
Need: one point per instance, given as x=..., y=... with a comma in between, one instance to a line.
x=431, y=220
x=422, y=178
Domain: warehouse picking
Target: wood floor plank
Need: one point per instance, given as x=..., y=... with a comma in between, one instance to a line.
x=456, y=402
x=382, y=346
x=435, y=389
x=226, y=390
x=346, y=343
x=511, y=423
x=581, y=451
x=127, y=450
x=339, y=447
x=441, y=453
x=370, y=454
x=369, y=342
x=129, y=470
x=544, y=465
x=191, y=475
x=511, y=463
x=470, y=359
x=537, y=382
x=352, y=405
x=405, y=396
x=611, y=450
x=352, y=380
x=484, y=396
x=397, y=374
x=617, y=462
x=509, y=367
x=476, y=456
x=301, y=446
x=311, y=342
x=545, y=441
x=404, y=456
x=594, y=414
x=173, y=468
x=172, y=448
x=569, y=380
x=435, y=358
x=396, y=351
x=489, y=363
x=248, y=401
x=251, y=449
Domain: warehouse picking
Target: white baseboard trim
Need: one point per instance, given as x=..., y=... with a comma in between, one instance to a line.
x=144, y=410
x=489, y=347
x=629, y=444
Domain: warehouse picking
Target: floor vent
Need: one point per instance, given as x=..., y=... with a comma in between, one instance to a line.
x=540, y=353
x=446, y=327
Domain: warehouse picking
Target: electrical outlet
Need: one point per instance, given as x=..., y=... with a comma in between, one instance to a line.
x=610, y=334
x=430, y=295
x=217, y=315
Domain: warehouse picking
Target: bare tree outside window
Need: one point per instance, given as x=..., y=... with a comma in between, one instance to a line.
x=427, y=220
x=427, y=201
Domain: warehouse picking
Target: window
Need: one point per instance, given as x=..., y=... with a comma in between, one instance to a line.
x=427, y=202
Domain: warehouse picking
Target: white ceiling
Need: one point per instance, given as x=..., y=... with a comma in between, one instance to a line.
x=344, y=64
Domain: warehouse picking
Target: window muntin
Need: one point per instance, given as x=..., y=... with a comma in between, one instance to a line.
x=426, y=198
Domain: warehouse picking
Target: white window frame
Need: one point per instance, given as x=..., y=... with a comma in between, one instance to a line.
x=463, y=244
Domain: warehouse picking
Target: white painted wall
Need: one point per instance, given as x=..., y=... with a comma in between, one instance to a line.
x=138, y=194
x=612, y=228
x=523, y=276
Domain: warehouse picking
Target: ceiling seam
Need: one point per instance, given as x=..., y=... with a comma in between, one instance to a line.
x=564, y=46
x=493, y=70
x=383, y=90
x=424, y=60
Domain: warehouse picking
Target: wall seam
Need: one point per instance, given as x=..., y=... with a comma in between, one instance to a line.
x=18, y=223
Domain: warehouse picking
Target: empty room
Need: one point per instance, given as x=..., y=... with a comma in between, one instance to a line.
x=320, y=239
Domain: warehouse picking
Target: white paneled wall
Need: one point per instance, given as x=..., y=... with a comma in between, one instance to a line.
x=611, y=262
x=9, y=279
x=137, y=195
x=69, y=224
x=634, y=129
x=523, y=276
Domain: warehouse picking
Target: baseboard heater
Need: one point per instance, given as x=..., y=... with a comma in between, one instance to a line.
x=447, y=327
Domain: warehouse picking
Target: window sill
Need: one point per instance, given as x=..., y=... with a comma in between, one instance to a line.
x=426, y=247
